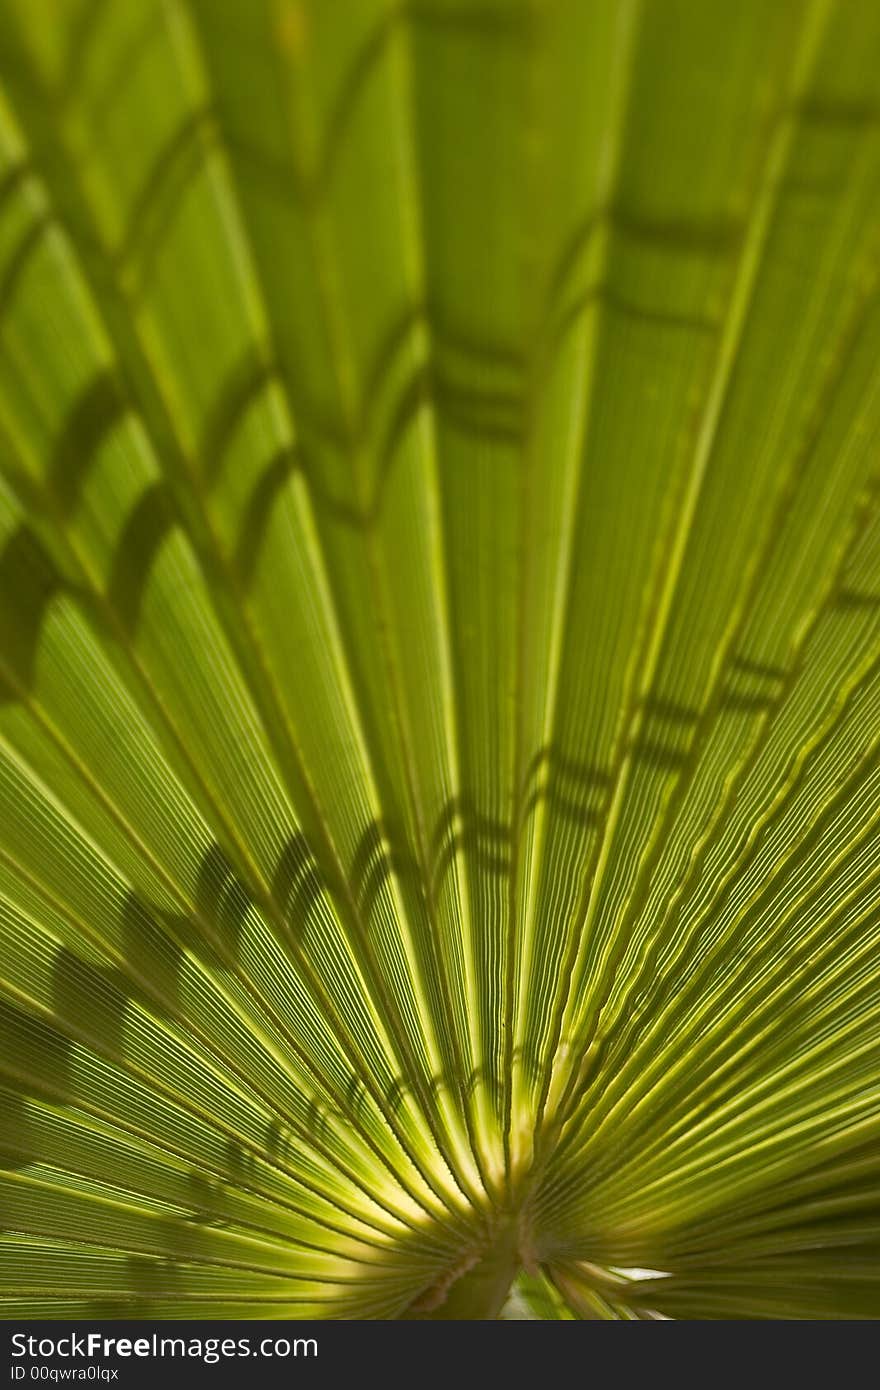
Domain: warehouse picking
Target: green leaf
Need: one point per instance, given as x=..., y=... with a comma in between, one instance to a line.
x=439, y=658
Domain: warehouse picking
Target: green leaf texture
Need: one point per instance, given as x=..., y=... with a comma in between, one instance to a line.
x=439, y=658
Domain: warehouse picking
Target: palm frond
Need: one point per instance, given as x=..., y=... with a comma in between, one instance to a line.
x=439, y=658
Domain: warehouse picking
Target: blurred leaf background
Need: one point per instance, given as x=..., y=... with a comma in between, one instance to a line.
x=439, y=642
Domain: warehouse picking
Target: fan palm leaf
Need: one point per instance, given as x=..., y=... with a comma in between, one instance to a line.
x=439, y=658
